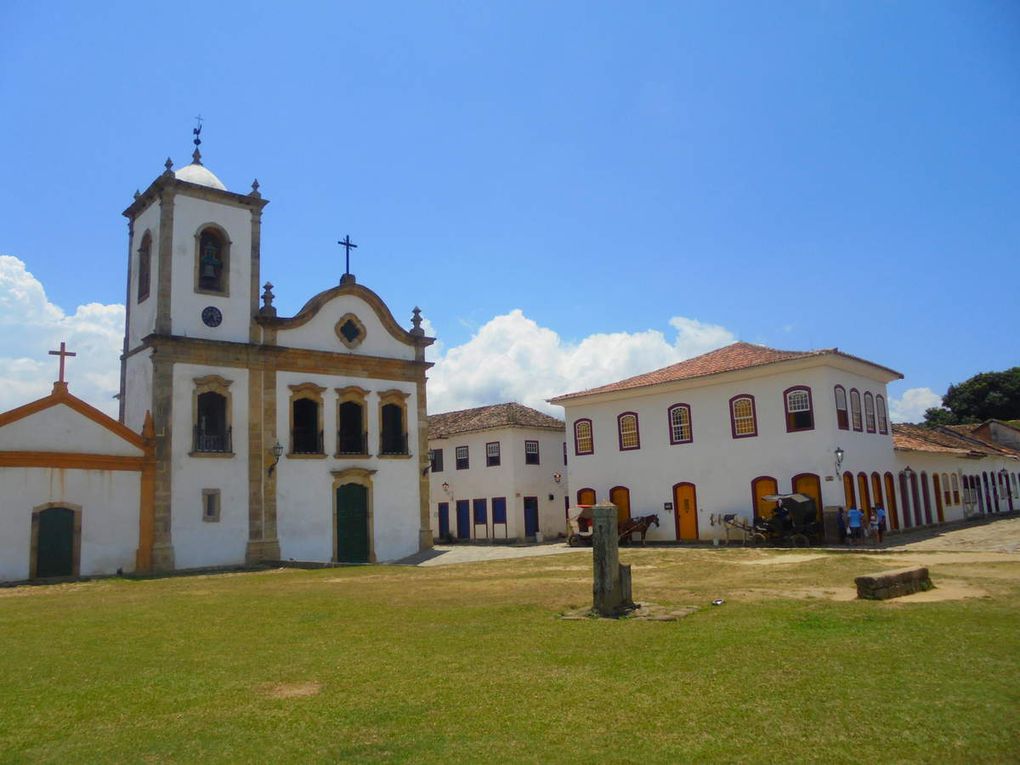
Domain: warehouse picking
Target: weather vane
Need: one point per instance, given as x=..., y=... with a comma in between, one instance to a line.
x=197, y=132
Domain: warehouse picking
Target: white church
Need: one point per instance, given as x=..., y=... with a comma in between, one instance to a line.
x=243, y=436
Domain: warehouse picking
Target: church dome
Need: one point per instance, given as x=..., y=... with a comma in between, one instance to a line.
x=200, y=175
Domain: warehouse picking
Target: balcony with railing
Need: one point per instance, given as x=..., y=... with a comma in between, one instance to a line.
x=306, y=441
x=351, y=444
x=393, y=444
x=212, y=441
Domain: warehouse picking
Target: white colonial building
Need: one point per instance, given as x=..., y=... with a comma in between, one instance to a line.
x=497, y=474
x=715, y=434
x=271, y=438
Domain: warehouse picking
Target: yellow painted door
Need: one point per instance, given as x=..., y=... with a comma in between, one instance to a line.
x=761, y=487
x=586, y=497
x=685, y=504
x=620, y=496
x=810, y=486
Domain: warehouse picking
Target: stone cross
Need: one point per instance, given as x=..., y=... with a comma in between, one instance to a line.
x=611, y=587
x=63, y=353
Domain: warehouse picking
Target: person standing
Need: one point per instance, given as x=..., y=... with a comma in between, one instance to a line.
x=855, y=519
x=841, y=522
x=880, y=514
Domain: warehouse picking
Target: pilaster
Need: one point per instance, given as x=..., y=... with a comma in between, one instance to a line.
x=122, y=396
x=256, y=256
x=424, y=532
x=162, y=400
x=164, y=323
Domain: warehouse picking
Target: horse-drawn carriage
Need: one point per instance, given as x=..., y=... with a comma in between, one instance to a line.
x=582, y=525
x=794, y=521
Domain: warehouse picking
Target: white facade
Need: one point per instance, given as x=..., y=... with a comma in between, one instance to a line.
x=460, y=496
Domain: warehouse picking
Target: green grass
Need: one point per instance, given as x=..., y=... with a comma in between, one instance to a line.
x=470, y=663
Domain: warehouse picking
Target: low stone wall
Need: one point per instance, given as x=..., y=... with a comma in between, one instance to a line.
x=893, y=584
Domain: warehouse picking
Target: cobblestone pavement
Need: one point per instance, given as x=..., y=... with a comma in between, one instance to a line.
x=997, y=534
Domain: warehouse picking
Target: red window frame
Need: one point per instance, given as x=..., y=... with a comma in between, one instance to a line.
x=869, y=417
x=883, y=415
x=690, y=424
x=591, y=436
x=791, y=427
x=856, y=418
x=733, y=416
x=619, y=431
x=842, y=415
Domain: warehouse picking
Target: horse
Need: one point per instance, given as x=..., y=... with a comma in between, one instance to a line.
x=640, y=523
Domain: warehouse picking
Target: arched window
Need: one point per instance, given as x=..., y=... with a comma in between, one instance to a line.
x=883, y=417
x=743, y=422
x=351, y=429
x=144, y=266
x=584, y=439
x=306, y=419
x=855, y=409
x=393, y=423
x=680, y=429
x=842, y=419
x=627, y=428
x=799, y=411
x=947, y=495
x=956, y=488
x=212, y=260
x=869, y=412
x=211, y=417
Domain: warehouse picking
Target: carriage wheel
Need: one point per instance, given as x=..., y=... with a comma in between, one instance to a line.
x=757, y=538
x=799, y=540
x=573, y=541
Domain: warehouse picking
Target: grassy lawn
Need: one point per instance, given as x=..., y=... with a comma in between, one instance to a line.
x=470, y=663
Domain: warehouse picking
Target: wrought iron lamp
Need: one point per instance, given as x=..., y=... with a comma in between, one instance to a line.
x=839, y=454
x=277, y=451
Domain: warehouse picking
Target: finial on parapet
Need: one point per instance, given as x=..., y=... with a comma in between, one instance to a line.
x=416, y=322
x=267, y=301
x=255, y=189
x=137, y=193
x=169, y=165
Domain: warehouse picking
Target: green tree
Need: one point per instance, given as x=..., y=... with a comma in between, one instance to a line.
x=985, y=396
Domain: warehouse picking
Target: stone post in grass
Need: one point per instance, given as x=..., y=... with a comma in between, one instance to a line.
x=611, y=588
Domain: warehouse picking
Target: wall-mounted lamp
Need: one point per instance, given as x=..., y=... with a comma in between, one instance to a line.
x=908, y=471
x=839, y=454
x=277, y=451
x=446, y=487
x=557, y=477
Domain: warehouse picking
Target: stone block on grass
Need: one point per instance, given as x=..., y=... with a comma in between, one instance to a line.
x=893, y=584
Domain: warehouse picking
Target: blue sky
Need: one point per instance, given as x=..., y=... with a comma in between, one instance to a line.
x=801, y=175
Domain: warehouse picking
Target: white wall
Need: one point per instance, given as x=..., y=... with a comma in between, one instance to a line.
x=512, y=479
x=109, y=527
x=138, y=389
x=196, y=542
x=191, y=214
x=305, y=503
x=720, y=466
x=319, y=332
x=61, y=429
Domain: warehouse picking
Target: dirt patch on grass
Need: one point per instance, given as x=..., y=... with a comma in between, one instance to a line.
x=944, y=590
x=777, y=560
x=293, y=690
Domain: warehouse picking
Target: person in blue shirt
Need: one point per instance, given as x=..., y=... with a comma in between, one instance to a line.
x=855, y=520
x=880, y=513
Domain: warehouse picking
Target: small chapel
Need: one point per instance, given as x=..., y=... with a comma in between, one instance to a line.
x=243, y=437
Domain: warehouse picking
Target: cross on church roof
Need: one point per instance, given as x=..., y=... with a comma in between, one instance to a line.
x=63, y=353
x=348, y=245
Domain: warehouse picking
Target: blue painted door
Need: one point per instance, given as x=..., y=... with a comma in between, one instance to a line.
x=530, y=516
x=463, y=519
x=444, y=520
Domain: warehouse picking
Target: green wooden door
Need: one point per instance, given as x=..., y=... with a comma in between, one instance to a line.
x=352, y=523
x=55, y=543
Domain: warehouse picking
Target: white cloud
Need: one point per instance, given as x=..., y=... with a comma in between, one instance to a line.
x=511, y=358
x=910, y=407
x=31, y=326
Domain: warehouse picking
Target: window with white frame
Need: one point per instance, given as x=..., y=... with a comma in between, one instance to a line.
x=842, y=418
x=680, y=424
x=799, y=414
x=492, y=454
x=461, y=454
x=531, y=453
x=742, y=418
x=869, y=412
x=855, y=409
x=628, y=430
x=584, y=441
x=883, y=419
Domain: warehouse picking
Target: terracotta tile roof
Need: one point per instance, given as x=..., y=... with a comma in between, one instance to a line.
x=727, y=359
x=972, y=432
x=947, y=440
x=488, y=417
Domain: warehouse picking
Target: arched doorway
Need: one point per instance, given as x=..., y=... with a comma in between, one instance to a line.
x=876, y=491
x=915, y=498
x=56, y=541
x=761, y=487
x=865, y=495
x=685, y=507
x=890, y=497
x=937, y=485
x=849, y=495
x=620, y=496
x=810, y=485
x=586, y=496
x=926, y=493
